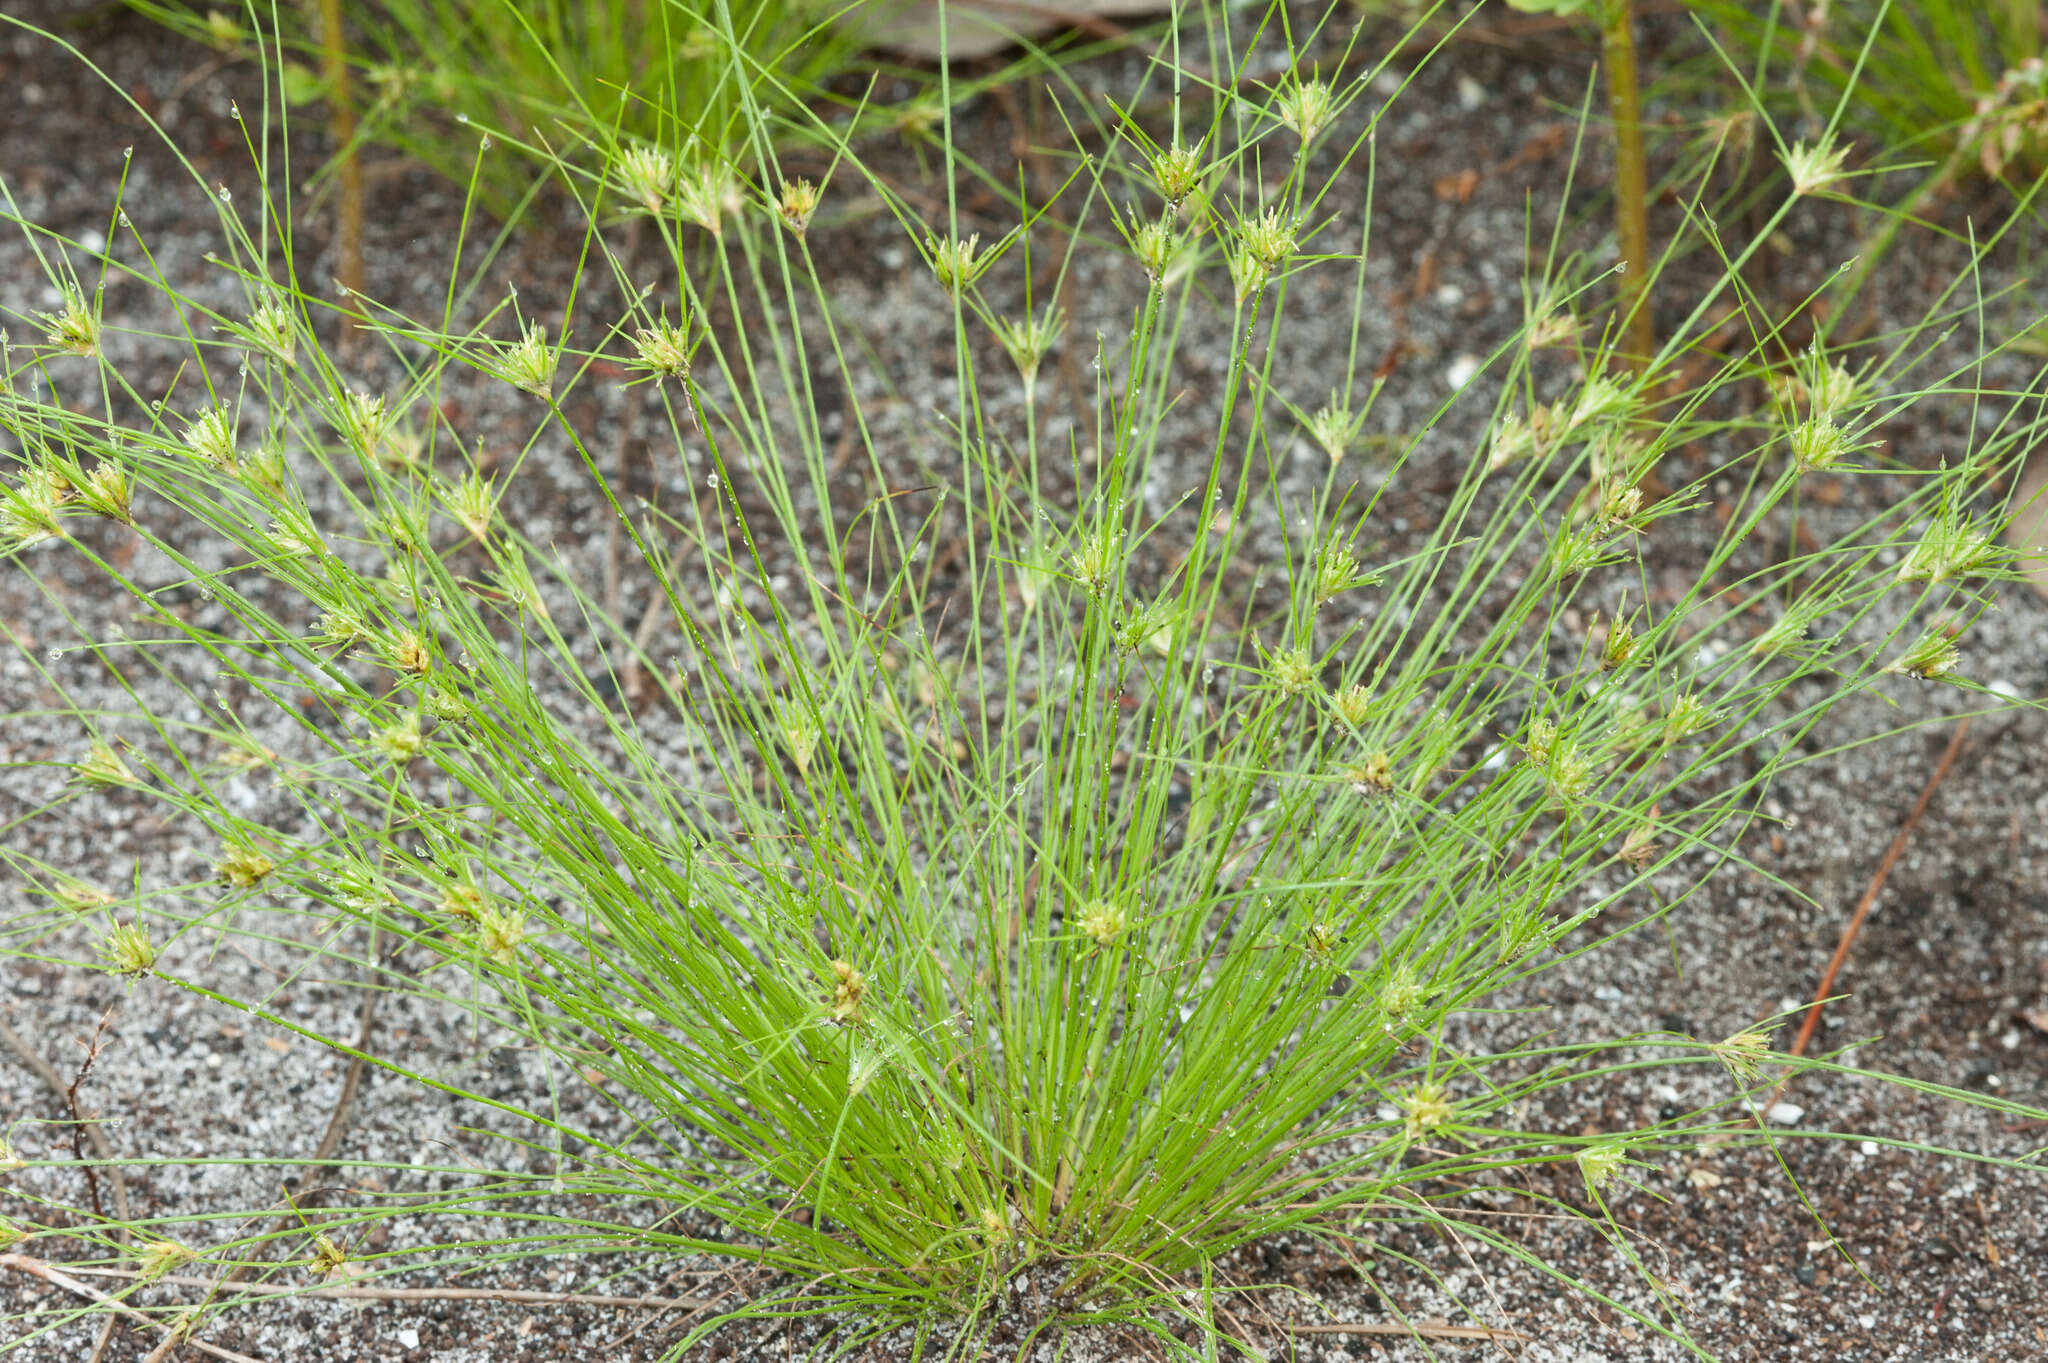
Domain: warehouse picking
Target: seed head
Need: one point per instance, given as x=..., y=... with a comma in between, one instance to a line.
x=1373, y=776
x=1402, y=995
x=1096, y=564
x=706, y=194
x=8, y=1158
x=955, y=263
x=263, y=472
x=409, y=653
x=1336, y=573
x=1639, y=847
x=1551, y=327
x=473, y=503
x=1601, y=1160
x=1307, y=107
x=241, y=866
x=529, y=365
x=1518, y=436
x=1177, y=171
x=1951, y=547
x=401, y=742
x=1579, y=550
x=74, y=328
x=1517, y=930
x=1603, y=397
x=361, y=421
x=329, y=1257
x=500, y=933
x=103, y=768
x=79, y=897
x=1247, y=274
x=1933, y=655
x=10, y=1234
x=1789, y=630
x=849, y=988
x=1292, y=671
x=800, y=733
x=1817, y=443
x=1814, y=167
x=1571, y=775
x=663, y=351
x=1687, y=716
x=1744, y=1053
x=271, y=331
x=211, y=437
x=464, y=900
x=1028, y=342
x=647, y=175
x=1150, y=626
x=154, y=1258
x=106, y=492
x=1268, y=238
x=1424, y=1109
x=799, y=202
x=1153, y=244
x=1336, y=428
x=127, y=950
x=1619, y=647
x=1353, y=704
x=27, y=516
x=1102, y=922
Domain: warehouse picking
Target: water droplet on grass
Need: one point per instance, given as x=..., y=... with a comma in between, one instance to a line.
x=225, y=194
x=234, y=111
x=56, y=655
x=485, y=145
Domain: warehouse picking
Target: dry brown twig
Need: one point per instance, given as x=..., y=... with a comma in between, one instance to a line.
x=1870, y=894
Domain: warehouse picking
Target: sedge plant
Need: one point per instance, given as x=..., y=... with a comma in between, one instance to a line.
x=1072, y=856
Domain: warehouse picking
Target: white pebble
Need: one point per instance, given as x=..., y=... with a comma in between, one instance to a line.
x=1785, y=1114
x=1460, y=370
x=409, y=1338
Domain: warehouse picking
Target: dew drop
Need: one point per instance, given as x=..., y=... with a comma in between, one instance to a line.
x=225, y=195
x=56, y=655
x=156, y=407
x=127, y=152
x=234, y=111
x=122, y=218
x=242, y=370
x=485, y=145
x=462, y=118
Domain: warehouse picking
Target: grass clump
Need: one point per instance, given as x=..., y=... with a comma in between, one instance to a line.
x=672, y=79
x=1087, y=860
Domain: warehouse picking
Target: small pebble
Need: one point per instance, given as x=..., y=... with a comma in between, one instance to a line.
x=1785, y=1114
x=409, y=1338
